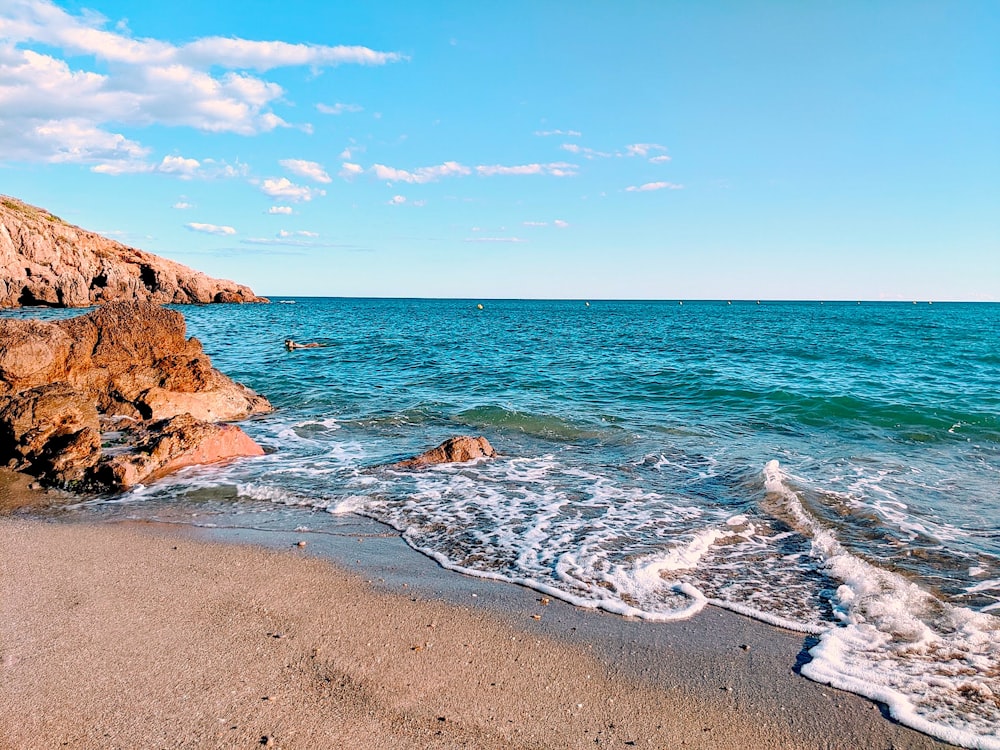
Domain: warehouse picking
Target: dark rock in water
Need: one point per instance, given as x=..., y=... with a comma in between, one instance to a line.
x=129, y=360
x=45, y=261
x=453, y=450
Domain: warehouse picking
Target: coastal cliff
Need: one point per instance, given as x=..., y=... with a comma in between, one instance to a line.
x=46, y=262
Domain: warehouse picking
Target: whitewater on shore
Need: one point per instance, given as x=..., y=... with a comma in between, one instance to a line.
x=829, y=469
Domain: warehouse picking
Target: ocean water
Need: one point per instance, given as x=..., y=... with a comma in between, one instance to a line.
x=829, y=468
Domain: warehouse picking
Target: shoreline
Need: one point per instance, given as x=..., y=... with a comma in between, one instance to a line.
x=143, y=634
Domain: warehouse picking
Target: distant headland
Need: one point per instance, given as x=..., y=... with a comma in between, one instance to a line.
x=45, y=261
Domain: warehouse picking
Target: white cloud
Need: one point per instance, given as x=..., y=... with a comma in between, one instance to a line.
x=308, y=169
x=660, y=159
x=262, y=56
x=349, y=171
x=118, y=79
x=284, y=234
x=185, y=168
x=338, y=109
x=643, y=149
x=587, y=153
x=649, y=186
x=556, y=223
x=183, y=205
x=421, y=174
x=282, y=187
x=397, y=200
x=210, y=228
x=556, y=169
x=514, y=240
x=564, y=133
x=282, y=210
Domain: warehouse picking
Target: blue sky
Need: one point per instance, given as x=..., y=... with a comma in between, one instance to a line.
x=665, y=150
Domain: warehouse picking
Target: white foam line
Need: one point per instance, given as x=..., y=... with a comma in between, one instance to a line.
x=698, y=601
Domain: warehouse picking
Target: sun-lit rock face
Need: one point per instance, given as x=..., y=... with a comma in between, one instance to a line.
x=45, y=261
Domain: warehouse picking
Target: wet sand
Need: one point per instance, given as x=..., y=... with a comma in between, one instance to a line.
x=151, y=635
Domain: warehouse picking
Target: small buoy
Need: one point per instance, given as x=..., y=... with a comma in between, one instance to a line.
x=479, y=306
x=587, y=304
x=729, y=302
x=929, y=302
x=758, y=302
x=681, y=302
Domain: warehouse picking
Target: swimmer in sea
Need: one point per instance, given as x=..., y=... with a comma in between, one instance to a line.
x=290, y=345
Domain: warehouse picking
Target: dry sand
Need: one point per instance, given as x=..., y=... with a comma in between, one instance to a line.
x=141, y=636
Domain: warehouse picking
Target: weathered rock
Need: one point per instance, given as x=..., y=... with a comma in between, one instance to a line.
x=130, y=358
x=162, y=447
x=52, y=430
x=126, y=359
x=453, y=450
x=45, y=261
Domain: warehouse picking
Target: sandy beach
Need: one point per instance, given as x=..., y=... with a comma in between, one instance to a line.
x=144, y=635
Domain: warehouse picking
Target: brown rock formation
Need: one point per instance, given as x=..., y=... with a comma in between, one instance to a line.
x=453, y=450
x=126, y=359
x=52, y=428
x=157, y=449
x=45, y=261
x=129, y=358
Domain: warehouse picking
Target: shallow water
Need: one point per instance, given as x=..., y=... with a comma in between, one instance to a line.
x=831, y=468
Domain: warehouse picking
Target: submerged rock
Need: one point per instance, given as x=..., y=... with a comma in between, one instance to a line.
x=126, y=360
x=453, y=450
x=45, y=261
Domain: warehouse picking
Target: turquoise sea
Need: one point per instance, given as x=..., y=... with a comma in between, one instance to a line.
x=833, y=468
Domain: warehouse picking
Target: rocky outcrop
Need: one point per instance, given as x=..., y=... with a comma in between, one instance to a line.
x=126, y=362
x=154, y=450
x=45, y=261
x=453, y=450
x=129, y=358
x=53, y=429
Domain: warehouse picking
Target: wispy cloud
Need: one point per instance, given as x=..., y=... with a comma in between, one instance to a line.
x=291, y=241
x=182, y=205
x=61, y=99
x=650, y=186
x=421, y=174
x=513, y=240
x=280, y=210
x=563, y=133
x=338, y=108
x=285, y=234
x=282, y=187
x=663, y=158
x=210, y=228
x=643, y=149
x=556, y=169
x=349, y=171
x=559, y=223
x=587, y=153
x=309, y=169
